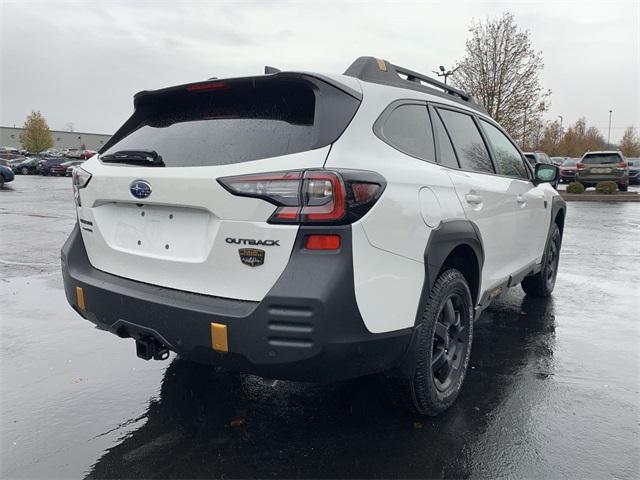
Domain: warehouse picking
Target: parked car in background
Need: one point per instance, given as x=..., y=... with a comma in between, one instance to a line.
x=87, y=154
x=6, y=174
x=63, y=169
x=73, y=153
x=558, y=161
x=537, y=157
x=11, y=156
x=47, y=163
x=29, y=166
x=597, y=167
x=568, y=170
x=50, y=152
x=634, y=170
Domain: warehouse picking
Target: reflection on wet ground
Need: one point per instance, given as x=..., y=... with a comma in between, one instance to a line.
x=552, y=391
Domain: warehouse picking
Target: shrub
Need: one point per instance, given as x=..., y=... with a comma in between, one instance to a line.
x=607, y=187
x=575, y=187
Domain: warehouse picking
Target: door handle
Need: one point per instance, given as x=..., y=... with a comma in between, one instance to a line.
x=521, y=200
x=473, y=199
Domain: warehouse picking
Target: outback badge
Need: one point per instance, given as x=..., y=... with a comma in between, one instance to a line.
x=254, y=257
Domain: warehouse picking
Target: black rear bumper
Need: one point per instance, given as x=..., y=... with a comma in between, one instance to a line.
x=307, y=328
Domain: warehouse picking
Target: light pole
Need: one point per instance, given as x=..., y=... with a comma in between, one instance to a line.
x=609, y=134
x=445, y=73
x=561, y=119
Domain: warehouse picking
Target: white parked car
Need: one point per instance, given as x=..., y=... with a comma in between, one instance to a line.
x=311, y=227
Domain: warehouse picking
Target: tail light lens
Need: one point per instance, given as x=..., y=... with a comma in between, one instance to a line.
x=580, y=166
x=80, y=179
x=622, y=165
x=311, y=196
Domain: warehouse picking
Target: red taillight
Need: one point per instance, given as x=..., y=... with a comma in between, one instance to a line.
x=206, y=86
x=313, y=196
x=580, y=166
x=622, y=165
x=323, y=242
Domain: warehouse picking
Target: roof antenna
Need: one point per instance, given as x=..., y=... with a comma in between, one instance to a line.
x=270, y=70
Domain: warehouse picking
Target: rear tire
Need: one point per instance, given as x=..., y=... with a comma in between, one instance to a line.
x=1, y=181
x=623, y=188
x=442, y=349
x=542, y=283
x=25, y=171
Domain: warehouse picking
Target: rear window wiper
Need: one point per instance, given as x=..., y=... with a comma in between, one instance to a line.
x=148, y=158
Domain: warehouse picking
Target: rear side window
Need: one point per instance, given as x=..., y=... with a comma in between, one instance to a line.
x=447, y=154
x=601, y=158
x=408, y=129
x=236, y=121
x=507, y=157
x=471, y=150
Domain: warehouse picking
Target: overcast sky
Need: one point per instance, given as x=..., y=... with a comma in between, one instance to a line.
x=81, y=62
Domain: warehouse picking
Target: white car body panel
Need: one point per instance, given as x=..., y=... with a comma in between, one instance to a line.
x=198, y=258
x=387, y=286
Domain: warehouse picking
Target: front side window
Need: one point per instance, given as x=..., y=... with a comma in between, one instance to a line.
x=507, y=157
x=408, y=129
x=471, y=150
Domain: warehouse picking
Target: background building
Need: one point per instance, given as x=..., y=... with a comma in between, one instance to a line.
x=10, y=137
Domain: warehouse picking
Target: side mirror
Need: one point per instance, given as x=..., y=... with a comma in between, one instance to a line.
x=546, y=173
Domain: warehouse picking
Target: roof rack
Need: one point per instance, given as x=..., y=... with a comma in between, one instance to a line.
x=375, y=70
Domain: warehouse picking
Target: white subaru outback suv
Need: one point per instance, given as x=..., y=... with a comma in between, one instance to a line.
x=311, y=227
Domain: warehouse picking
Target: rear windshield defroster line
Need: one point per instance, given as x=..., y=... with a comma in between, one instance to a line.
x=243, y=120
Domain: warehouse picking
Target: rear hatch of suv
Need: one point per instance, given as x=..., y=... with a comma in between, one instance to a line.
x=602, y=166
x=154, y=210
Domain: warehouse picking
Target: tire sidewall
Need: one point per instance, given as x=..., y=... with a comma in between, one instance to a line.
x=428, y=399
x=555, y=234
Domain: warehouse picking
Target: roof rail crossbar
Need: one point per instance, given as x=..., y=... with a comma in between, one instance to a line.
x=370, y=69
x=415, y=76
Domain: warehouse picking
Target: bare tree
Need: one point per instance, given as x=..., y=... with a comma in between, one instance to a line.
x=501, y=69
x=579, y=139
x=630, y=143
x=551, y=139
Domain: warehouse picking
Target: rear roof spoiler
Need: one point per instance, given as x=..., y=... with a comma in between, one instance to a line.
x=375, y=70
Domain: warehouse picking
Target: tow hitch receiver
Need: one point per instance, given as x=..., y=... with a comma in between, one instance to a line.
x=148, y=348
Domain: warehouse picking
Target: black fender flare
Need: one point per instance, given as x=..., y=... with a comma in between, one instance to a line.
x=443, y=240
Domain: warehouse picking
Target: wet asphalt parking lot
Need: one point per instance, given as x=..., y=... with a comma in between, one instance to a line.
x=553, y=388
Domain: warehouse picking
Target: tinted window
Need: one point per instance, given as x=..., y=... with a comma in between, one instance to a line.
x=507, y=158
x=601, y=158
x=531, y=157
x=447, y=154
x=568, y=163
x=471, y=150
x=408, y=129
x=240, y=121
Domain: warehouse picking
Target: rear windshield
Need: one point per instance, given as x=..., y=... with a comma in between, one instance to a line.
x=237, y=121
x=601, y=158
x=568, y=163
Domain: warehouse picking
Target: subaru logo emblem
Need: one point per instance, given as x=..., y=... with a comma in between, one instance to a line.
x=140, y=189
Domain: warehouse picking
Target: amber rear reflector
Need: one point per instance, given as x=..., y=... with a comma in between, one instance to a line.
x=80, y=298
x=219, y=337
x=381, y=65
